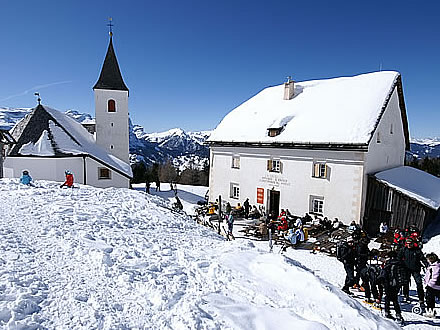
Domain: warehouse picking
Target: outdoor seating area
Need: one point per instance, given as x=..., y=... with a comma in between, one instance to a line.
x=319, y=234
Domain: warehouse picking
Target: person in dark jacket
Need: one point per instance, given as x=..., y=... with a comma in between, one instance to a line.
x=246, y=208
x=413, y=258
x=432, y=282
x=362, y=253
x=370, y=275
x=228, y=208
x=392, y=277
x=348, y=258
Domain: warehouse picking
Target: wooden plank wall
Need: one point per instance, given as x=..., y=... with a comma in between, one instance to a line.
x=404, y=210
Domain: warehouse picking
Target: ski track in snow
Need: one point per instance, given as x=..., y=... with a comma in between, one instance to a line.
x=93, y=258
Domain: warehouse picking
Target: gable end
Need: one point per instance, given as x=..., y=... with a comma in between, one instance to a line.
x=397, y=83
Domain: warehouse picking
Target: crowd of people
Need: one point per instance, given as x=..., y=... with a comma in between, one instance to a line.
x=383, y=278
x=391, y=276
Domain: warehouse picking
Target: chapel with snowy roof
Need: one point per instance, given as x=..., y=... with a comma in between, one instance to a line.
x=325, y=147
x=48, y=142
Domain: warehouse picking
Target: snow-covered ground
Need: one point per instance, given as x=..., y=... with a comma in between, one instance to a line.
x=117, y=258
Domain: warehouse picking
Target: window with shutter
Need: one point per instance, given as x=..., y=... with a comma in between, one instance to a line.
x=274, y=165
x=320, y=170
x=234, y=190
x=235, y=161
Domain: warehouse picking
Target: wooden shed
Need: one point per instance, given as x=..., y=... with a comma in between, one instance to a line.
x=401, y=196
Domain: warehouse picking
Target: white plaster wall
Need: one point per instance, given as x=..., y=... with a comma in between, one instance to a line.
x=44, y=168
x=341, y=191
x=390, y=152
x=106, y=134
x=53, y=169
x=117, y=180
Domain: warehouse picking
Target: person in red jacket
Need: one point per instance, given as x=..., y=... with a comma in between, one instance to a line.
x=283, y=225
x=69, y=180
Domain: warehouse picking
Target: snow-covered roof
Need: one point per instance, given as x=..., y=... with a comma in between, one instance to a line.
x=414, y=183
x=46, y=132
x=340, y=110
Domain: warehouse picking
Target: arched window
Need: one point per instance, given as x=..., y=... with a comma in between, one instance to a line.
x=111, y=106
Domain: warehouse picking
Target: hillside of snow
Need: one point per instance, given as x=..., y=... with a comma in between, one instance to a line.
x=117, y=258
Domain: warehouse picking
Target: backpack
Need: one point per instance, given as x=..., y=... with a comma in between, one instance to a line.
x=341, y=250
x=396, y=276
x=373, y=272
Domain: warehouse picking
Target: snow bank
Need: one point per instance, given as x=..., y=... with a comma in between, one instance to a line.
x=117, y=258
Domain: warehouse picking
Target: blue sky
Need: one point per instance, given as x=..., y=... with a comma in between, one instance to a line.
x=188, y=63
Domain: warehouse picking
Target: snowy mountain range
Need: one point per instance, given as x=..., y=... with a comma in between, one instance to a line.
x=422, y=148
x=184, y=149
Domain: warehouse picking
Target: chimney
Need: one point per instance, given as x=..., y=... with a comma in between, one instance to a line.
x=289, y=89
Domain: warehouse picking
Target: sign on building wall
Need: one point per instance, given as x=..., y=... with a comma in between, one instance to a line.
x=260, y=195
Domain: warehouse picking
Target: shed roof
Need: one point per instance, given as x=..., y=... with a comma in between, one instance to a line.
x=414, y=183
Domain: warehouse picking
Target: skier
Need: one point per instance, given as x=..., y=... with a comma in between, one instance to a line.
x=392, y=278
x=413, y=258
x=345, y=253
x=370, y=282
x=432, y=282
x=26, y=179
x=246, y=208
x=69, y=180
x=362, y=253
x=147, y=187
x=230, y=221
x=157, y=184
x=398, y=240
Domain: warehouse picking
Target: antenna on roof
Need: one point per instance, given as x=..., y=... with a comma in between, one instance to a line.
x=110, y=32
x=289, y=78
x=380, y=66
x=39, y=99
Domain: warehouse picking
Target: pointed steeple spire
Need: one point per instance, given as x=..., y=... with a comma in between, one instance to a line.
x=110, y=77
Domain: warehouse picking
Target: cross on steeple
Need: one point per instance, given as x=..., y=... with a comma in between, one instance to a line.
x=110, y=26
x=39, y=99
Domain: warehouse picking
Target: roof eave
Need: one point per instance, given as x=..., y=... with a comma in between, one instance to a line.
x=363, y=147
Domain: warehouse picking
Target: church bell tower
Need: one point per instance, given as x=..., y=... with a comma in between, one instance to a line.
x=111, y=107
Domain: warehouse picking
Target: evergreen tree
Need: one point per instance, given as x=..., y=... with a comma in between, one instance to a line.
x=139, y=170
